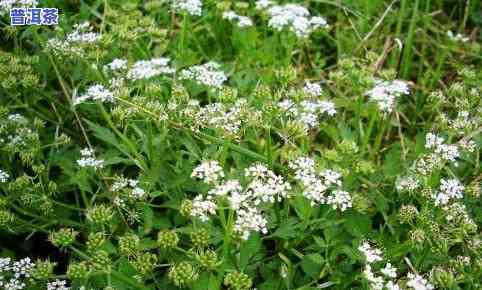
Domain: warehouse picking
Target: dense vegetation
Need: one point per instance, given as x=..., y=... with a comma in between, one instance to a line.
x=186, y=144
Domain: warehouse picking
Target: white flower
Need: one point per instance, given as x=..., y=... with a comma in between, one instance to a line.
x=145, y=69
x=208, y=74
x=339, y=199
x=457, y=213
x=229, y=187
x=217, y=115
x=371, y=254
x=57, y=285
x=22, y=267
x=417, y=282
x=6, y=5
x=449, y=189
x=407, y=183
x=82, y=34
x=241, y=21
x=308, y=112
x=192, y=7
x=294, y=17
x=74, y=41
x=208, y=171
x=202, y=207
x=317, y=186
x=4, y=176
x=117, y=64
x=263, y=4
x=392, y=286
x=457, y=37
x=88, y=159
x=266, y=186
x=389, y=271
x=313, y=89
x=385, y=93
x=5, y=264
x=129, y=187
x=376, y=282
x=318, y=22
x=331, y=177
x=432, y=141
x=249, y=220
x=95, y=93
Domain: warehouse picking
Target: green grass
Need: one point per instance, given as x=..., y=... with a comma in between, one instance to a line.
x=76, y=226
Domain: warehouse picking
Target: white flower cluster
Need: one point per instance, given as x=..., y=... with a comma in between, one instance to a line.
x=313, y=89
x=16, y=133
x=145, y=69
x=320, y=187
x=456, y=213
x=203, y=207
x=116, y=65
x=417, y=282
x=264, y=187
x=88, y=159
x=371, y=254
x=209, y=74
x=250, y=220
x=4, y=176
x=307, y=112
x=449, y=190
x=407, y=184
x=209, y=172
x=220, y=116
x=82, y=35
x=388, y=273
x=294, y=17
x=463, y=122
x=127, y=189
x=263, y=4
x=457, y=37
x=57, y=285
x=241, y=21
x=6, y=5
x=95, y=93
x=13, y=273
x=385, y=93
x=436, y=143
x=191, y=7
x=439, y=154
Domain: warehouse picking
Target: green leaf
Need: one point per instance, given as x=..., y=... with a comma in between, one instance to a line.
x=287, y=229
x=312, y=264
x=148, y=219
x=249, y=249
x=302, y=207
x=357, y=224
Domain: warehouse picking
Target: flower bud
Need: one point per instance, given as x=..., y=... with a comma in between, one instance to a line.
x=78, y=271
x=145, y=263
x=129, y=244
x=63, y=237
x=186, y=207
x=182, y=274
x=43, y=270
x=100, y=214
x=407, y=214
x=101, y=260
x=200, y=238
x=167, y=239
x=95, y=241
x=237, y=281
